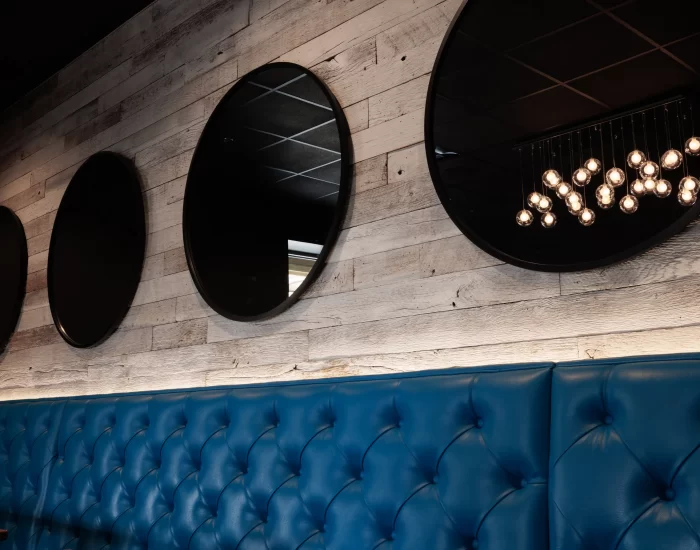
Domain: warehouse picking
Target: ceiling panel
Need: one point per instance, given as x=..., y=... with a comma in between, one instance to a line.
x=583, y=48
x=662, y=22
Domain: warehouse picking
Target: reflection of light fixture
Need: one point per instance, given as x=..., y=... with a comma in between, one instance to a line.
x=594, y=166
x=574, y=202
x=629, y=204
x=551, y=178
x=663, y=189
x=586, y=217
x=545, y=204
x=649, y=169
x=605, y=194
x=635, y=159
x=687, y=198
x=692, y=146
x=615, y=177
x=549, y=220
x=563, y=190
x=671, y=159
x=690, y=184
x=524, y=218
x=534, y=198
x=638, y=188
x=649, y=185
x=582, y=177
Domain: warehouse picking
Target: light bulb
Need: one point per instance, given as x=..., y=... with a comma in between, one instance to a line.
x=692, y=146
x=545, y=204
x=582, y=177
x=638, y=188
x=649, y=169
x=586, y=217
x=687, y=198
x=574, y=202
x=563, y=190
x=605, y=195
x=671, y=159
x=615, y=177
x=549, y=219
x=524, y=218
x=575, y=208
x=551, y=178
x=690, y=184
x=594, y=166
x=629, y=204
x=649, y=185
x=635, y=159
x=663, y=189
x=534, y=198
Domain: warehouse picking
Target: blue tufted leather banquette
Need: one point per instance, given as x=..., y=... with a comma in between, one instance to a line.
x=624, y=466
x=448, y=460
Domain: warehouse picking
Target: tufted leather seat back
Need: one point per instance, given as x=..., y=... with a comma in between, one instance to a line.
x=449, y=460
x=624, y=466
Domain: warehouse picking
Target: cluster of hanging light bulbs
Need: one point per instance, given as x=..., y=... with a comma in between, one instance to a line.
x=648, y=182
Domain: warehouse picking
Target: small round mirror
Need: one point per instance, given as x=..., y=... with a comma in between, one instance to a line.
x=13, y=273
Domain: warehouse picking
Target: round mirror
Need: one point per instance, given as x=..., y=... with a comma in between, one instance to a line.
x=266, y=192
x=525, y=94
x=13, y=273
x=97, y=250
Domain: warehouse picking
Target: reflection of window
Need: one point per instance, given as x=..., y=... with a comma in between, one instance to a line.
x=302, y=257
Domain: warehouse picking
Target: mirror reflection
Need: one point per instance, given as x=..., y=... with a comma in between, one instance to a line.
x=265, y=192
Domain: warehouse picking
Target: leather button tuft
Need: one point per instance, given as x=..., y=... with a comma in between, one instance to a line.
x=479, y=422
x=436, y=478
x=475, y=544
x=523, y=483
x=669, y=494
x=608, y=419
x=392, y=536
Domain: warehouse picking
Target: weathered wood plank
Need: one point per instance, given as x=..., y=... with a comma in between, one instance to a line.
x=421, y=226
x=387, y=267
x=649, y=307
x=36, y=299
x=164, y=240
x=39, y=225
x=34, y=338
x=409, y=188
x=450, y=255
x=170, y=286
x=103, y=122
x=156, y=90
x=180, y=335
x=192, y=306
x=174, y=261
x=14, y=188
x=34, y=318
x=38, y=262
x=399, y=101
x=334, y=279
x=170, y=147
x=36, y=280
x=166, y=171
x=354, y=59
x=357, y=116
x=676, y=258
x=389, y=136
x=260, y=8
x=26, y=198
x=150, y=315
x=370, y=174
x=472, y=289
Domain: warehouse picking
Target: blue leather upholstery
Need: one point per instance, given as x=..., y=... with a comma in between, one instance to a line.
x=449, y=460
x=624, y=471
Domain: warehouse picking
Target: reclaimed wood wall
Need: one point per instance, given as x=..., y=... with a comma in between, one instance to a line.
x=404, y=289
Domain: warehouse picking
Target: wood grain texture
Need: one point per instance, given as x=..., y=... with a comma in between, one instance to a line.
x=403, y=290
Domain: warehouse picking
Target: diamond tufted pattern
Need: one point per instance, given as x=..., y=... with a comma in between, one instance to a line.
x=452, y=460
x=624, y=466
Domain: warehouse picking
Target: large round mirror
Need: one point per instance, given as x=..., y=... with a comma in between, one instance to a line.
x=525, y=91
x=266, y=192
x=13, y=273
x=97, y=250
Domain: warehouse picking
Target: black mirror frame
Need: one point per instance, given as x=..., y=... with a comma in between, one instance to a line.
x=15, y=308
x=673, y=229
x=135, y=179
x=340, y=210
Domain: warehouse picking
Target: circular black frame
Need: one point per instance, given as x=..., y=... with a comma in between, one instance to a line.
x=673, y=229
x=15, y=308
x=134, y=180
x=346, y=162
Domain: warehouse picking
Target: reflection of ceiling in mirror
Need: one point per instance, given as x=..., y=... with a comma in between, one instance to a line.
x=291, y=128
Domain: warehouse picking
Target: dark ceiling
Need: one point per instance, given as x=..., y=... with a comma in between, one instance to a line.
x=40, y=37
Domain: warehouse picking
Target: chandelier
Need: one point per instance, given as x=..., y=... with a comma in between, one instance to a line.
x=580, y=171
